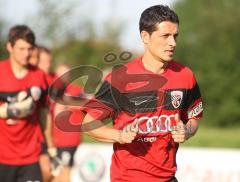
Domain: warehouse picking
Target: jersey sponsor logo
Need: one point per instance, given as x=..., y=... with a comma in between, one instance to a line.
x=147, y=139
x=142, y=99
x=195, y=111
x=155, y=124
x=176, y=98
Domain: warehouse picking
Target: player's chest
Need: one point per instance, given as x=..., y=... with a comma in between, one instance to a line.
x=169, y=97
x=10, y=83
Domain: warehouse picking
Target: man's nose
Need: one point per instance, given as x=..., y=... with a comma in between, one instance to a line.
x=27, y=53
x=172, y=41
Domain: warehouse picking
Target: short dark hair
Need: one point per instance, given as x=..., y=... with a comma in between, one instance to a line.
x=44, y=49
x=21, y=32
x=156, y=14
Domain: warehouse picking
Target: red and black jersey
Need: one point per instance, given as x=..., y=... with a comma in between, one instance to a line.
x=20, y=143
x=63, y=134
x=131, y=92
x=50, y=78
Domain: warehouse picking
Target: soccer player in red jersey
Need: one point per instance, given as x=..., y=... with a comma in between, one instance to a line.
x=34, y=59
x=66, y=141
x=45, y=62
x=22, y=98
x=48, y=147
x=155, y=104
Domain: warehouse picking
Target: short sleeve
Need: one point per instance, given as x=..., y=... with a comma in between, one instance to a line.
x=103, y=105
x=193, y=103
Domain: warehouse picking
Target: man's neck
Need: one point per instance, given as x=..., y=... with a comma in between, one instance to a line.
x=18, y=70
x=154, y=64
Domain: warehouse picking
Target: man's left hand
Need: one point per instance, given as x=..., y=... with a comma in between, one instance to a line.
x=179, y=132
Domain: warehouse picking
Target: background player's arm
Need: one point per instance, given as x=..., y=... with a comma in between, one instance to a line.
x=48, y=131
x=99, y=131
x=46, y=125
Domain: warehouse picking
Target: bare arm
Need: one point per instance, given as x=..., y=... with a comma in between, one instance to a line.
x=191, y=127
x=182, y=132
x=97, y=130
x=48, y=131
x=46, y=125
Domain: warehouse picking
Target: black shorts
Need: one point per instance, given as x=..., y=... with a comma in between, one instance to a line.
x=20, y=173
x=174, y=179
x=66, y=154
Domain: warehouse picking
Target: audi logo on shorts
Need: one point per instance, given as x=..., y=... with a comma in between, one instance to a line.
x=155, y=124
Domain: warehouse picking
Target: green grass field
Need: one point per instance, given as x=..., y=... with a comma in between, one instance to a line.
x=208, y=137
x=215, y=137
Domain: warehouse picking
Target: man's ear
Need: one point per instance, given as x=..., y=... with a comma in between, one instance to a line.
x=9, y=47
x=145, y=37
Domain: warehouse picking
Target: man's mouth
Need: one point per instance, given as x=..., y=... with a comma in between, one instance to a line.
x=170, y=52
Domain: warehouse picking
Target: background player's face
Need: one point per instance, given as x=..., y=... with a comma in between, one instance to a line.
x=20, y=52
x=45, y=60
x=162, y=42
x=62, y=69
x=34, y=59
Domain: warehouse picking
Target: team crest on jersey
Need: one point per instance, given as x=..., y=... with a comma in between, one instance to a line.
x=176, y=98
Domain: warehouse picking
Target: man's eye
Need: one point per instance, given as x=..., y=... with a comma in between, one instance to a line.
x=165, y=36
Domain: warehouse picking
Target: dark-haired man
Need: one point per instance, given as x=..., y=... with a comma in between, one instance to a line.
x=154, y=101
x=22, y=96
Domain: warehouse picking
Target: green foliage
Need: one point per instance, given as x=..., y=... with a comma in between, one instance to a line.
x=51, y=21
x=3, y=51
x=85, y=52
x=77, y=44
x=209, y=44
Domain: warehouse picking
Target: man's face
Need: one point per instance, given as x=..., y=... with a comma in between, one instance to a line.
x=162, y=42
x=45, y=61
x=34, y=59
x=20, y=52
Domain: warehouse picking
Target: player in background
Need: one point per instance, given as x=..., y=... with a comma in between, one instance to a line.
x=64, y=138
x=48, y=148
x=155, y=104
x=64, y=143
x=45, y=62
x=23, y=90
x=34, y=59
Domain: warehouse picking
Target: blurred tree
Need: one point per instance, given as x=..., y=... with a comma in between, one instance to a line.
x=51, y=22
x=3, y=51
x=85, y=52
x=209, y=44
x=80, y=43
x=75, y=40
x=113, y=26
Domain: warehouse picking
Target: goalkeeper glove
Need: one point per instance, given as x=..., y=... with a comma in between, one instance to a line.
x=24, y=105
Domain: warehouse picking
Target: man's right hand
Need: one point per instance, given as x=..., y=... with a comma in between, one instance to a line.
x=128, y=134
